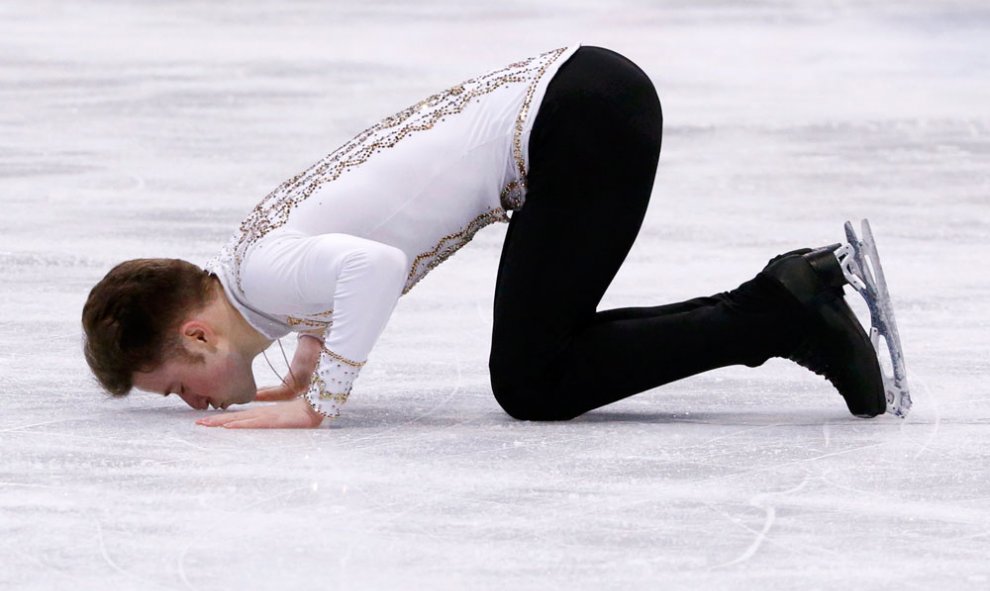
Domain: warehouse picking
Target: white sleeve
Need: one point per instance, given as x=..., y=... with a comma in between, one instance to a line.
x=363, y=279
x=369, y=280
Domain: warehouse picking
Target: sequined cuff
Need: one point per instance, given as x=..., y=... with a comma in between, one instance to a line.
x=315, y=406
x=331, y=383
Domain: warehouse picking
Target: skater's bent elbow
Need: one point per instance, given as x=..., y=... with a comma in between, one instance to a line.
x=388, y=264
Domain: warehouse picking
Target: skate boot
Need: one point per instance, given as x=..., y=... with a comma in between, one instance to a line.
x=836, y=345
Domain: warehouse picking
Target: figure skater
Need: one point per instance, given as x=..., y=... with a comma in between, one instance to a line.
x=564, y=147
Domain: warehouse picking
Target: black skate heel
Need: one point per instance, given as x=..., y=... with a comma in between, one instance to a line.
x=811, y=274
x=836, y=346
x=826, y=265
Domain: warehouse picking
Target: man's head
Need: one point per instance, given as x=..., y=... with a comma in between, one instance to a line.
x=165, y=326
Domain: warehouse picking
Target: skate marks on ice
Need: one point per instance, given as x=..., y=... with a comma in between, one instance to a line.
x=920, y=381
x=828, y=472
x=761, y=501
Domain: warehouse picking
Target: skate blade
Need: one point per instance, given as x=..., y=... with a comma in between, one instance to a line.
x=860, y=264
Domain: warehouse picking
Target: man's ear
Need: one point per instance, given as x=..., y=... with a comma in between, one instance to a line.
x=199, y=334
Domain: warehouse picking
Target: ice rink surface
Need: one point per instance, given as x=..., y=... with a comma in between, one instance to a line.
x=145, y=129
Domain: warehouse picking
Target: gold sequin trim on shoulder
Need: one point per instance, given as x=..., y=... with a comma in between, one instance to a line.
x=273, y=211
x=448, y=245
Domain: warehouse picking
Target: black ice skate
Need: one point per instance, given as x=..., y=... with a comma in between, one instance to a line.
x=860, y=265
x=836, y=345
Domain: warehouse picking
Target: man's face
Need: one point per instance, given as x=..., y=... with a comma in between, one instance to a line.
x=221, y=380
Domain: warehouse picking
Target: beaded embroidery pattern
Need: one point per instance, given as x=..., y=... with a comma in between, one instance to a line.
x=332, y=364
x=273, y=211
x=448, y=245
x=335, y=399
x=311, y=322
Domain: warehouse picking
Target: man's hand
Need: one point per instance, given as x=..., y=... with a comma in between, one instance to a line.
x=303, y=365
x=295, y=414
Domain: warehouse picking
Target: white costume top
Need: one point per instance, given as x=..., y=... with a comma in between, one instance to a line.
x=334, y=247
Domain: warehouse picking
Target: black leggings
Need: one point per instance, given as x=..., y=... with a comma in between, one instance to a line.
x=593, y=149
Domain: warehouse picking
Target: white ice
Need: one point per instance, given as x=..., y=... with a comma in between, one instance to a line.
x=144, y=129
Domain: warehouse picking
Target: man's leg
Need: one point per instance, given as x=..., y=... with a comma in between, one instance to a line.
x=593, y=161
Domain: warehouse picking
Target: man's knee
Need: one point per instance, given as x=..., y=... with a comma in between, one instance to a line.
x=524, y=397
x=524, y=409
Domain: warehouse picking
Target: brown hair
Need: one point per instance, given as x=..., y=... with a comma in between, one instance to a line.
x=131, y=317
